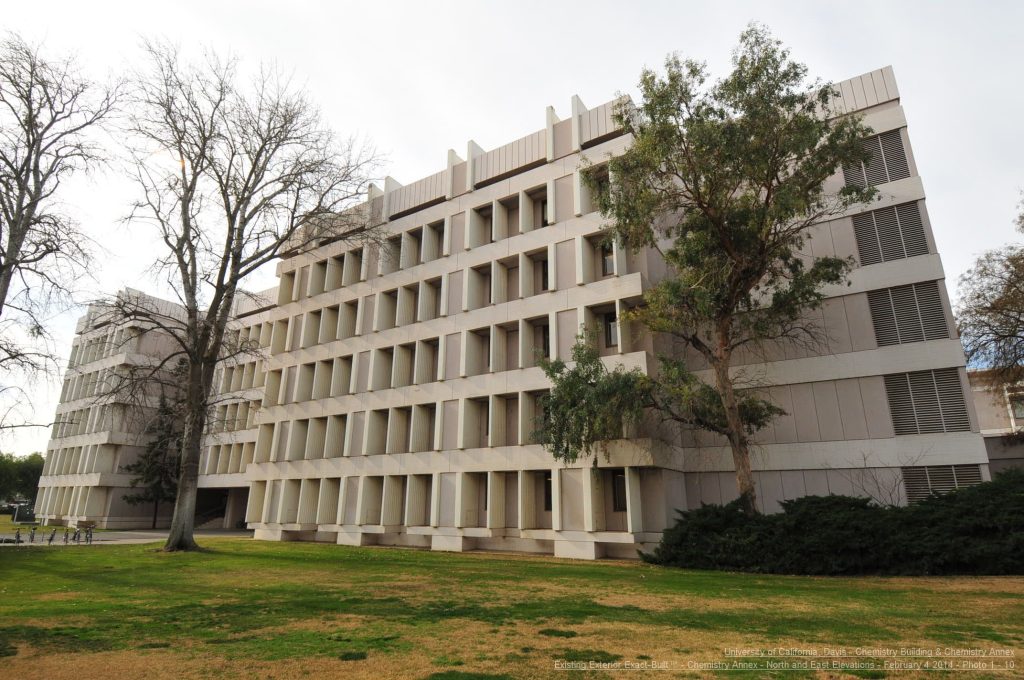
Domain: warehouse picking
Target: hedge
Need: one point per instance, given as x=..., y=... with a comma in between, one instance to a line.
x=973, y=530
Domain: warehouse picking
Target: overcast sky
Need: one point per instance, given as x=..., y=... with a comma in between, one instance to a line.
x=418, y=78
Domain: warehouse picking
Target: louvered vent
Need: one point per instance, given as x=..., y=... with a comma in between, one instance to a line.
x=890, y=234
x=908, y=314
x=887, y=162
x=922, y=481
x=924, y=402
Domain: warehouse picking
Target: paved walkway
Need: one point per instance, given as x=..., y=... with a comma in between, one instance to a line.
x=118, y=537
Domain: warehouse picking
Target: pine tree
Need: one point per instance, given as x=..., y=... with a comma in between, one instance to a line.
x=156, y=470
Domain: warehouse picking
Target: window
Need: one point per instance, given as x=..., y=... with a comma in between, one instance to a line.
x=1017, y=406
x=607, y=260
x=619, y=491
x=545, y=341
x=547, y=492
x=611, y=330
x=544, y=214
x=543, y=274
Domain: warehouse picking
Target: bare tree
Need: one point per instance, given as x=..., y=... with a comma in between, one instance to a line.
x=232, y=175
x=48, y=112
x=991, y=313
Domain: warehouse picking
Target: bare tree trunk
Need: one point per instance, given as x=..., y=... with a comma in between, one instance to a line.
x=184, y=518
x=737, y=437
x=156, y=510
x=181, y=536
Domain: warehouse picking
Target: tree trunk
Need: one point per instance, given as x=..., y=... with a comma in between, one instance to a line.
x=737, y=437
x=156, y=509
x=183, y=521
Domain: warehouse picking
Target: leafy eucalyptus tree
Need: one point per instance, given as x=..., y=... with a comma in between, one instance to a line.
x=725, y=180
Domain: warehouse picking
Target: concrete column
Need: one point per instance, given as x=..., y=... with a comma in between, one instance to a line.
x=495, y=500
x=499, y=283
x=467, y=351
x=429, y=245
x=556, y=499
x=351, y=445
x=552, y=263
x=578, y=109
x=553, y=336
x=625, y=335
x=435, y=498
x=499, y=349
x=496, y=421
x=254, y=508
x=390, y=185
x=619, y=256
x=550, y=213
x=96, y=501
x=450, y=188
x=415, y=498
x=472, y=151
x=469, y=228
x=442, y=352
x=582, y=196
x=461, y=500
x=309, y=496
x=527, y=500
x=288, y=510
x=593, y=500
x=327, y=503
x=446, y=237
x=466, y=420
x=424, y=298
x=527, y=412
x=343, y=492
x=361, y=500
x=391, y=509
x=443, y=310
x=634, y=507
x=584, y=261
x=549, y=137
x=269, y=512
x=405, y=309
x=420, y=429
x=364, y=266
x=526, y=288
x=499, y=221
x=438, y=425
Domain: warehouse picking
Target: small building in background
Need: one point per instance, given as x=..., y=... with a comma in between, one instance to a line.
x=1001, y=418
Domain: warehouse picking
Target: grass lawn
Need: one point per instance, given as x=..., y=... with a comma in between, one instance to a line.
x=290, y=610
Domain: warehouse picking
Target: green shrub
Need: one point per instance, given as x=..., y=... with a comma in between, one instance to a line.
x=974, y=530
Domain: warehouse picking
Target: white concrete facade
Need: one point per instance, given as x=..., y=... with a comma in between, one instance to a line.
x=398, y=390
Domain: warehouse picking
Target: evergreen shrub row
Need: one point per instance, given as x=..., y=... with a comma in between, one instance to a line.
x=973, y=530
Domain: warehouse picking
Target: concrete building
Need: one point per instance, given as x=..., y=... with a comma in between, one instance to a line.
x=398, y=392
x=1001, y=419
x=96, y=433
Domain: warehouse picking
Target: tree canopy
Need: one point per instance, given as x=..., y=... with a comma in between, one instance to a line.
x=991, y=312
x=19, y=475
x=725, y=180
